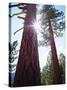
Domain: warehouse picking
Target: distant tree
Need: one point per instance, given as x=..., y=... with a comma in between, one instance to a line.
x=52, y=23
x=12, y=57
x=62, y=66
x=47, y=72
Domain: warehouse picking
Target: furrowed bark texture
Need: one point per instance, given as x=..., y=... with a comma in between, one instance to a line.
x=28, y=70
x=55, y=63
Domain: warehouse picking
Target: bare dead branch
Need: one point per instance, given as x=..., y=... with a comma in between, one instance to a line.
x=21, y=17
x=18, y=30
x=15, y=14
x=22, y=7
x=16, y=5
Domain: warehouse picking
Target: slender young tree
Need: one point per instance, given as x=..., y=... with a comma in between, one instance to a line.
x=28, y=70
x=52, y=24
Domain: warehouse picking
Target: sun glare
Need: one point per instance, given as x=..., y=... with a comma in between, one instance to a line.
x=36, y=25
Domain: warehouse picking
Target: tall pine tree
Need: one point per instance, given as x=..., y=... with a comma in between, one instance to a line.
x=53, y=23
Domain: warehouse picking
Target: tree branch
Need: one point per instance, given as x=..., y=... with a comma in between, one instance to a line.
x=15, y=14
x=21, y=17
x=22, y=7
x=16, y=5
x=18, y=30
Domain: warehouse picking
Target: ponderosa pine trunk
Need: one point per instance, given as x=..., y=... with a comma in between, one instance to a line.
x=55, y=63
x=28, y=69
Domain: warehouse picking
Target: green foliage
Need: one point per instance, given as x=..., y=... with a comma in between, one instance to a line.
x=12, y=55
x=62, y=66
x=46, y=75
x=45, y=35
x=57, y=19
x=47, y=72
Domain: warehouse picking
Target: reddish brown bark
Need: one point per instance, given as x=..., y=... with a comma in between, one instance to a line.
x=28, y=70
x=55, y=63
